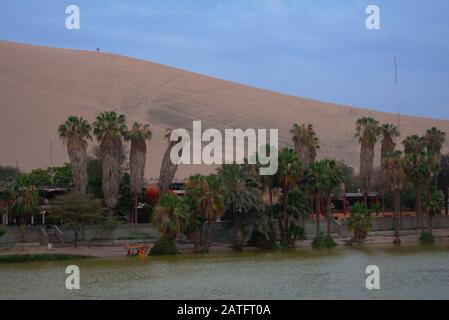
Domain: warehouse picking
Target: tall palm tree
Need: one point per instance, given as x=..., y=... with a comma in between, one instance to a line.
x=443, y=180
x=306, y=142
x=432, y=205
x=389, y=133
x=419, y=167
x=207, y=195
x=109, y=129
x=435, y=139
x=332, y=178
x=24, y=201
x=367, y=131
x=244, y=200
x=137, y=158
x=414, y=144
x=393, y=165
x=288, y=175
x=316, y=183
x=168, y=168
x=75, y=133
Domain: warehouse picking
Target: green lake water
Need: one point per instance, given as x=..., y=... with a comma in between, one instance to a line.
x=419, y=272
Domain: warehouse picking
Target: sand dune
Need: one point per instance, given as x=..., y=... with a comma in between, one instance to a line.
x=40, y=87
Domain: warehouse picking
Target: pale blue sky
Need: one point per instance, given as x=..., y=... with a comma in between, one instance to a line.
x=316, y=49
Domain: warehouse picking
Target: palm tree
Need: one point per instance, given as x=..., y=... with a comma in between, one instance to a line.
x=109, y=128
x=170, y=215
x=432, y=205
x=306, y=142
x=435, y=139
x=389, y=132
x=414, y=144
x=137, y=158
x=168, y=168
x=24, y=201
x=367, y=131
x=244, y=200
x=393, y=165
x=288, y=175
x=316, y=183
x=443, y=180
x=359, y=221
x=207, y=199
x=419, y=166
x=75, y=132
x=332, y=177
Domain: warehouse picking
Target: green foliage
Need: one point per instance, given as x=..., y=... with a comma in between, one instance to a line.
x=359, y=221
x=244, y=203
x=427, y=238
x=297, y=232
x=323, y=241
x=2, y=230
x=164, y=247
x=24, y=199
x=60, y=177
x=94, y=181
x=75, y=127
x=433, y=203
x=76, y=210
x=170, y=216
x=264, y=241
x=349, y=178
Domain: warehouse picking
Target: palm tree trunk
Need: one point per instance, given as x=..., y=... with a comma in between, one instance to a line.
x=317, y=214
x=208, y=237
x=446, y=200
x=397, y=209
x=110, y=149
x=168, y=170
x=419, y=221
x=328, y=215
x=285, y=223
x=78, y=162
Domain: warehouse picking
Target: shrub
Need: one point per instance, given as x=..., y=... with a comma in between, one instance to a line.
x=260, y=240
x=427, y=238
x=164, y=247
x=359, y=221
x=323, y=241
x=2, y=231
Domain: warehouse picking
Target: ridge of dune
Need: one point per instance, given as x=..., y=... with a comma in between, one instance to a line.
x=40, y=87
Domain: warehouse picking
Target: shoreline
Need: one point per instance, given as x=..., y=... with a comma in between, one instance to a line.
x=118, y=250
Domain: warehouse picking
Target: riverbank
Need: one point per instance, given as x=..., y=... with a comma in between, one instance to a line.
x=385, y=239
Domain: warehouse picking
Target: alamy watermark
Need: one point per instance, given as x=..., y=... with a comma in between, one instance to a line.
x=372, y=22
x=72, y=282
x=72, y=22
x=238, y=146
x=373, y=280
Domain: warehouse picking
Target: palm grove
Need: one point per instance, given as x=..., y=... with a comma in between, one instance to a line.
x=259, y=209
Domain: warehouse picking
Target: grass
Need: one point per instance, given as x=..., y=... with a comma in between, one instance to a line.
x=39, y=257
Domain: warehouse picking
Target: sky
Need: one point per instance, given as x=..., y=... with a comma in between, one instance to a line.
x=315, y=49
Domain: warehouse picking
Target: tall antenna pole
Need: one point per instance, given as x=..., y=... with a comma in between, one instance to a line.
x=396, y=80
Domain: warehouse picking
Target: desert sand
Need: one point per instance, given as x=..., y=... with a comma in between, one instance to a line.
x=40, y=87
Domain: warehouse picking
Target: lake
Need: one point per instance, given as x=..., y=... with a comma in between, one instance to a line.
x=419, y=272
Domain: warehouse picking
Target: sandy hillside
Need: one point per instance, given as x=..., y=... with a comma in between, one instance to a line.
x=40, y=87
